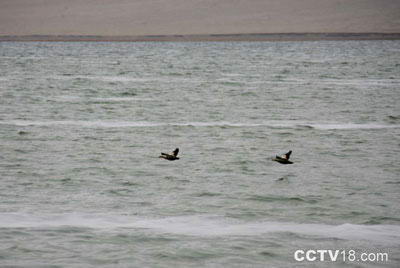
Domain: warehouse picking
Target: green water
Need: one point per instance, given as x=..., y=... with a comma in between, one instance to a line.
x=82, y=126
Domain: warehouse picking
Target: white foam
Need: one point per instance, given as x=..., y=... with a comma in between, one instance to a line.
x=126, y=79
x=82, y=123
x=269, y=124
x=109, y=99
x=202, y=225
x=330, y=81
x=352, y=126
x=119, y=79
x=113, y=124
x=361, y=82
x=102, y=78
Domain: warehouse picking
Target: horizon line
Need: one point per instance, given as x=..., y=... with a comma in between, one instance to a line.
x=290, y=36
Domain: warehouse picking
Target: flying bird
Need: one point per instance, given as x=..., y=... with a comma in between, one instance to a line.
x=170, y=157
x=284, y=159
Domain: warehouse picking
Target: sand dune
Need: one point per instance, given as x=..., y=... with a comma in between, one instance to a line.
x=183, y=17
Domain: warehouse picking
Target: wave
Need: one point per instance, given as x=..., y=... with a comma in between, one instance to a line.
x=113, y=124
x=351, y=126
x=82, y=123
x=109, y=99
x=270, y=124
x=202, y=225
x=360, y=82
x=101, y=78
x=330, y=81
x=126, y=79
x=244, y=79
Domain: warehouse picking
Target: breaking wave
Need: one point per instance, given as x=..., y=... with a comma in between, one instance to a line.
x=270, y=124
x=202, y=226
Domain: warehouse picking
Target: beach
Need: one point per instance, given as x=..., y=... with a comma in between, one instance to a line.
x=206, y=20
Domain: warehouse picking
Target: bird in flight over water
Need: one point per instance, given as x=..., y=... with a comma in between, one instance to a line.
x=284, y=159
x=171, y=157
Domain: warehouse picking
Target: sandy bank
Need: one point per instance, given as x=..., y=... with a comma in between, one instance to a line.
x=196, y=19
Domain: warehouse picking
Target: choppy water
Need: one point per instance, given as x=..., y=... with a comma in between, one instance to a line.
x=82, y=125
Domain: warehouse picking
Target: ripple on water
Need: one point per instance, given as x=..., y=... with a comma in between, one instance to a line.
x=382, y=220
x=207, y=194
x=283, y=199
x=120, y=192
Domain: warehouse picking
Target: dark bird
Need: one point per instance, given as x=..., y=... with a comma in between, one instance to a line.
x=171, y=157
x=284, y=159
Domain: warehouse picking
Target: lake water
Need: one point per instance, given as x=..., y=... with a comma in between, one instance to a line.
x=82, y=126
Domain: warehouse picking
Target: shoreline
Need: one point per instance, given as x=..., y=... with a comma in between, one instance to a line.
x=272, y=37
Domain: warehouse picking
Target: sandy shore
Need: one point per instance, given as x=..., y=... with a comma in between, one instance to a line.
x=197, y=20
x=209, y=37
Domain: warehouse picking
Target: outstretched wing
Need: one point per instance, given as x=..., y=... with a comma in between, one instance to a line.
x=176, y=152
x=287, y=155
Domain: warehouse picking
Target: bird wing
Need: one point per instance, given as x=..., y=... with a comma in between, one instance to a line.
x=176, y=152
x=287, y=155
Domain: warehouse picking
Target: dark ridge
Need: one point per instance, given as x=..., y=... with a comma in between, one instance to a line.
x=280, y=199
x=382, y=220
x=205, y=37
x=207, y=194
x=267, y=254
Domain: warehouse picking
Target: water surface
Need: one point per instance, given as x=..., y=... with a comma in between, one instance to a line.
x=82, y=125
